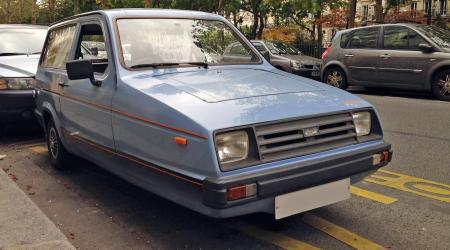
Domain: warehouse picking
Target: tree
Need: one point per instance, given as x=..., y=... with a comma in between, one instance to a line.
x=148, y=4
x=351, y=14
x=379, y=11
x=76, y=7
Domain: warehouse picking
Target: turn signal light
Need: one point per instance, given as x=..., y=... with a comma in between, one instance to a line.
x=241, y=192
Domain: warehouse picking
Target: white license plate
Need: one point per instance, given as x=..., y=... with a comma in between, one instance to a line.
x=315, y=73
x=311, y=198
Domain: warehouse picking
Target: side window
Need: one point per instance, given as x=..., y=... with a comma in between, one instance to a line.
x=58, y=47
x=364, y=39
x=395, y=38
x=239, y=50
x=415, y=39
x=91, y=46
x=344, y=39
x=260, y=47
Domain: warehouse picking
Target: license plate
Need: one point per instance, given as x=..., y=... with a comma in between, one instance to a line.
x=311, y=198
x=315, y=73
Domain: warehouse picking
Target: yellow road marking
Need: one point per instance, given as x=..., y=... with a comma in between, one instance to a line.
x=426, y=188
x=276, y=239
x=340, y=233
x=40, y=150
x=372, y=195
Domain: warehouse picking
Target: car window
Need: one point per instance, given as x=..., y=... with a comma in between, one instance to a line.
x=59, y=45
x=344, y=39
x=395, y=38
x=364, y=39
x=260, y=47
x=91, y=46
x=415, y=39
x=147, y=42
x=22, y=40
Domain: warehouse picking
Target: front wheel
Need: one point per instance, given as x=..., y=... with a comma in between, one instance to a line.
x=336, y=78
x=441, y=85
x=59, y=157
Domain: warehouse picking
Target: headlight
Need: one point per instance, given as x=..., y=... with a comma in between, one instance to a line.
x=232, y=146
x=296, y=64
x=363, y=123
x=17, y=83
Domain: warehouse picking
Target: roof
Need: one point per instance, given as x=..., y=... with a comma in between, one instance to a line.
x=381, y=25
x=22, y=26
x=153, y=13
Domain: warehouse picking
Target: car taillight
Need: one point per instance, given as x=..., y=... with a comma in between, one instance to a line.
x=325, y=54
x=241, y=192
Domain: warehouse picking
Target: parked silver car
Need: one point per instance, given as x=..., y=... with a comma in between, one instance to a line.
x=288, y=58
x=20, y=49
x=404, y=56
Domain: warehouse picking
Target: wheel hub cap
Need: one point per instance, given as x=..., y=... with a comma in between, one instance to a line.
x=444, y=86
x=335, y=79
x=53, y=143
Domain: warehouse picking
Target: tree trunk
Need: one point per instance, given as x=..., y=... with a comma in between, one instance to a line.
x=34, y=12
x=148, y=4
x=351, y=14
x=104, y=4
x=76, y=7
x=379, y=11
x=319, y=28
x=221, y=7
x=255, y=10
x=52, y=10
x=261, y=25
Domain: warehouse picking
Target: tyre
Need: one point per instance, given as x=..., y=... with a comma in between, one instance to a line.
x=441, y=85
x=58, y=155
x=336, y=78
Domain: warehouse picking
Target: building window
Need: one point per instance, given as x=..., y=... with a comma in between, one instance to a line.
x=365, y=12
x=414, y=9
x=443, y=7
x=427, y=4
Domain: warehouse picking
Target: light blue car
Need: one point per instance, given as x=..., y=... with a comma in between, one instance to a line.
x=221, y=132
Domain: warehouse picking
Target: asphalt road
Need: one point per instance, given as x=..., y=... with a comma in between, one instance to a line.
x=405, y=206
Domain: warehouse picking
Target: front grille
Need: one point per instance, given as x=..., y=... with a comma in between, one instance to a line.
x=288, y=139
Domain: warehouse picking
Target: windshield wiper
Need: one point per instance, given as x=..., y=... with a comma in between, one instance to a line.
x=156, y=65
x=12, y=54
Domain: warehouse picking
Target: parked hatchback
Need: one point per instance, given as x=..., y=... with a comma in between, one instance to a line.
x=288, y=58
x=224, y=134
x=404, y=56
x=20, y=48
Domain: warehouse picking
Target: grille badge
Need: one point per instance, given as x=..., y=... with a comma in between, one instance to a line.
x=309, y=132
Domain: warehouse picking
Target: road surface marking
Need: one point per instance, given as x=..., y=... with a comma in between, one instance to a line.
x=372, y=195
x=339, y=233
x=426, y=188
x=40, y=150
x=273, y=238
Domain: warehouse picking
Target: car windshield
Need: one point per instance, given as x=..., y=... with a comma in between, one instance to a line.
x=277, y=47
x=166, y=42
x=20, y=41
x=440, y=36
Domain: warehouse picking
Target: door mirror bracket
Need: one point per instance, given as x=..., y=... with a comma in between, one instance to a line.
x=426, y=48
x=81, y=69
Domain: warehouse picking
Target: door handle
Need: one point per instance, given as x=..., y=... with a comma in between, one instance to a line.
x=385, y=56
x=349, y=55
x=63, y=84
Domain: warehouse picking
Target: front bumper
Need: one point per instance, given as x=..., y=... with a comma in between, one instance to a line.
x=16, y=105
x=309, y=73
x=355, y=164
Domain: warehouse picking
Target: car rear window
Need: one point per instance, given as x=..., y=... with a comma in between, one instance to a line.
x=364, y=39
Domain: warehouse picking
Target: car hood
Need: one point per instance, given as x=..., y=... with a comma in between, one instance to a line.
x=304, y=59
x=231, y=84
x=18, y=66
x=257, y=108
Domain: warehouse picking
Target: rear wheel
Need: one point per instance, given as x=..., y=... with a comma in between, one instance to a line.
x=441, y=85
x=59, y=157
x=336, y=78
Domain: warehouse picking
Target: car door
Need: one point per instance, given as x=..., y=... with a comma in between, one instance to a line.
x=361, y=54
x=402, y=63
x=87, y=108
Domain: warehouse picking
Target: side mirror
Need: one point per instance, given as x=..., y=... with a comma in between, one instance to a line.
x=81, y=69
x=266, y=55
x=426, y=48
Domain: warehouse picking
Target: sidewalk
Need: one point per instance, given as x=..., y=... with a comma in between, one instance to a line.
x=23, y=226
